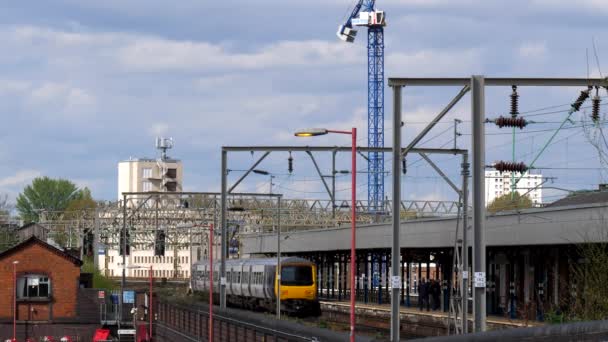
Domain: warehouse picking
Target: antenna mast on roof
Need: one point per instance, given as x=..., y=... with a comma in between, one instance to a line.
x=164, y=144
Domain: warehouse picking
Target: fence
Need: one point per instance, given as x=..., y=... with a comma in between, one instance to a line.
x=179, y=322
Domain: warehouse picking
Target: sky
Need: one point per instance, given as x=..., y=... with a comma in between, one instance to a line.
x=85, y=84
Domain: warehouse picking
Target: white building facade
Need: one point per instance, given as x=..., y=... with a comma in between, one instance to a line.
x=143, y=175
x=499, y=184
x=174, y=264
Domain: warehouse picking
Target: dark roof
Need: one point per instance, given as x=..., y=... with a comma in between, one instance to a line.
x=27, y=225
x=581, y=198
x=34, y=240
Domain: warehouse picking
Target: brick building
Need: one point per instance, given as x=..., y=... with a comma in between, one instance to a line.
x=47, y=283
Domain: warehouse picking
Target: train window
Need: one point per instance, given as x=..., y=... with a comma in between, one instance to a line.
x=296, y=275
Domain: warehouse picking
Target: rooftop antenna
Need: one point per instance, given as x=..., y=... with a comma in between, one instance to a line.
x=164, y=144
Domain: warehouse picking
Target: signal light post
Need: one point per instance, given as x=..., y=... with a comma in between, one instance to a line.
x=321, y=131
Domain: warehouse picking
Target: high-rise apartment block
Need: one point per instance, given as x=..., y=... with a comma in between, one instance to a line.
x=499, y=183
x=145, y=174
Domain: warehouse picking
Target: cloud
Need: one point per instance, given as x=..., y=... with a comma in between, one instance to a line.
x=159, y=129
x=434, y=62
x=573, y=6
x=59, y=98
x=22, y=177
x=157, y=54
x=533, y=49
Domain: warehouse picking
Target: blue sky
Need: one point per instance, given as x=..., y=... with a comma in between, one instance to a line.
x=85, y=84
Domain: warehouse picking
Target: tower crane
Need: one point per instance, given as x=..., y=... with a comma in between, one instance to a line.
x=365, y=14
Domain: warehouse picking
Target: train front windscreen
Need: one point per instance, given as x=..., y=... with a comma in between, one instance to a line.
x=296, y=275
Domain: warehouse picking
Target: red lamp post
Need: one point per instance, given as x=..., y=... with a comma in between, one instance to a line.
x=321, y=131
x=211, y=282
x=150, y=307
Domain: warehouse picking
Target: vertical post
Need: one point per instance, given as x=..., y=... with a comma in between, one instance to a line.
x=353, y=226
x=150, y=307
x=223, y=231
x=333, y=184
x=124, y=256
x=279, y=258
x=15, y=300
x=465, y=245
x=210, y=327
x=96, y=241
x=396, y=211
x=479, y=211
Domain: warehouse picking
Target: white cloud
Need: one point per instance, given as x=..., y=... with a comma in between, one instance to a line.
x=61, y=99
x=588, y=5
x=533, y=49
x=159, y=129
x=20, y=178
x=436, y=62
x=157, y=54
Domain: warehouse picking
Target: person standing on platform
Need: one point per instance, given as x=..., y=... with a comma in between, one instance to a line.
x=435, y=292
x=422, y=293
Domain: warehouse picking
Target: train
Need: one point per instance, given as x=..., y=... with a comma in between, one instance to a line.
x=252, y=284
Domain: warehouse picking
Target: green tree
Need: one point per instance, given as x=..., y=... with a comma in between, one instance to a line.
x=52, y=195
x=510, y=201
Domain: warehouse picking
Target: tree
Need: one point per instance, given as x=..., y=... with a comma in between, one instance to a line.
x=78, y=211
x=52, y=195
x=510, y=201
x=5, y=210
x=7, y=228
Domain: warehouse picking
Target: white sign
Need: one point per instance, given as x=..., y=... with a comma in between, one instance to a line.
x=465, y=274
x=480, y=279
x=396, y=282
x=33, y=281
x=126, y=331
x=223, y=281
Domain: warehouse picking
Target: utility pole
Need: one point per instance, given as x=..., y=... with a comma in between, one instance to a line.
x=479, y=209
x=124, y=257
x=395, y=250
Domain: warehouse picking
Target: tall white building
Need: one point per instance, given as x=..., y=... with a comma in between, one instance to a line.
x=498, y=184
x=163, y=174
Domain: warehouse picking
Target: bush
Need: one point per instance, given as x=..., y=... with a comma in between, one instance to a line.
x=99, y=280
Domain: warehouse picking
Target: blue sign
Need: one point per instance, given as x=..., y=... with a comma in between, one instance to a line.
x=102, y=251
x=128, y=297
x=114, y=298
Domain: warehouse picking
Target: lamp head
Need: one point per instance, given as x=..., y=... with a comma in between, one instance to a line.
x=310, y=132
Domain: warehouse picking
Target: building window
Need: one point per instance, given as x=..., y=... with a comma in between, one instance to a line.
x=33, y=286
x=146, y=186
x=147, y=172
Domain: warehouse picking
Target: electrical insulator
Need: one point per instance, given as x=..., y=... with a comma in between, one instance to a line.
x=290, y=163
x=595, y=113
x=511, y=122
x=503, y=166
x=403, y=166
x=576, y=106
x=514, y=102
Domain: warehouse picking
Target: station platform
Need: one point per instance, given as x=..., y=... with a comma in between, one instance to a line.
x=414, y=322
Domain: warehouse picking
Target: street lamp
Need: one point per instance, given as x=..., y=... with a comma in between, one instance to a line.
x=311, y=132
x=15, y=300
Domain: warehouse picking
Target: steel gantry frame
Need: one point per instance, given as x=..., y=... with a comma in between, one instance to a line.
x=476, y=84
x=333, y=149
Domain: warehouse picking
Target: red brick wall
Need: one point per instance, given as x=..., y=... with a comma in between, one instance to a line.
x=62, y=273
